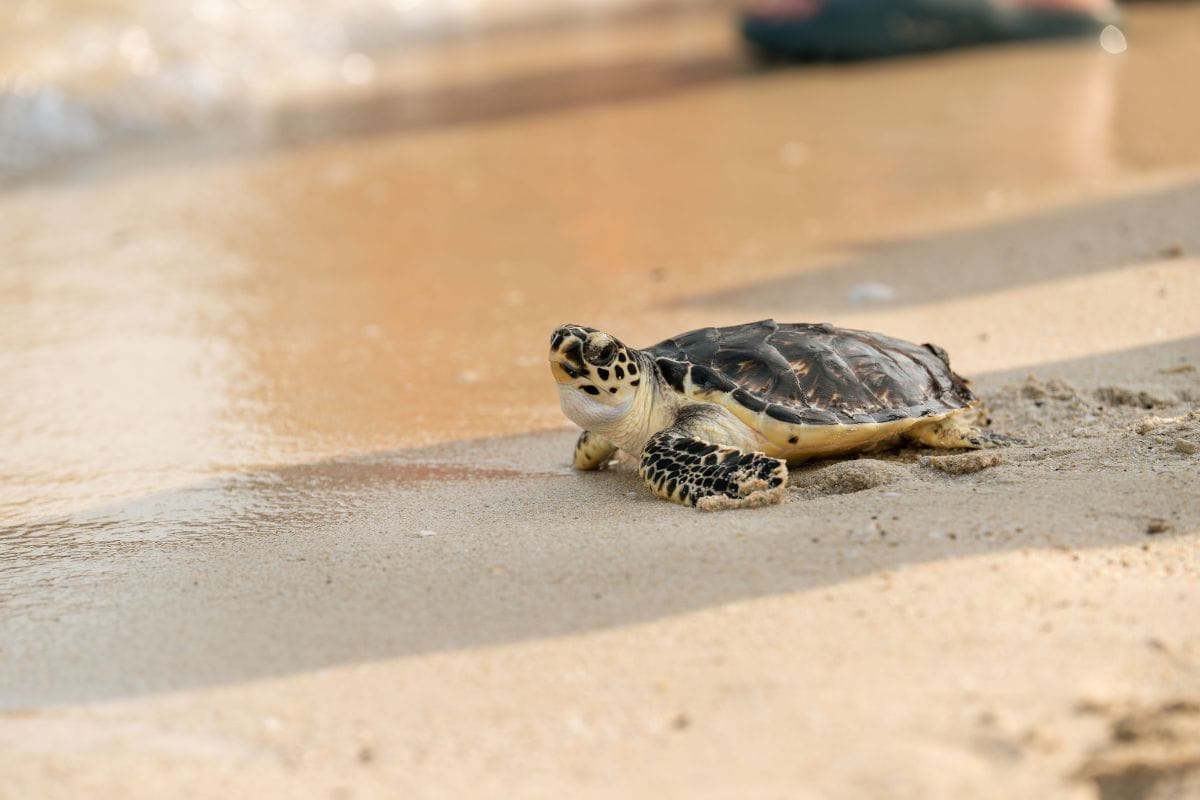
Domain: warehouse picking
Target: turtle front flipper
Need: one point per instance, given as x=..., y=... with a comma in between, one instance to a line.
x=593, y=451
x=683, y=469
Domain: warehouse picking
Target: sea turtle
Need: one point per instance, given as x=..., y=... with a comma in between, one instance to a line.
x=716, y=415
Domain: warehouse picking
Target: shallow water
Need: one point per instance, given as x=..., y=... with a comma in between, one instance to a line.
x=378, y=268
x=79, y=76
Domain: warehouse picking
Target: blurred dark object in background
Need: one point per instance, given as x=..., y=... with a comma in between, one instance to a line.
x=859, y=29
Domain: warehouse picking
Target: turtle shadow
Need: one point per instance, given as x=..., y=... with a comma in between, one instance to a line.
x=485, y=543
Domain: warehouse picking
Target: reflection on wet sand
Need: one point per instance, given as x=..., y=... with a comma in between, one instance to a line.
x=165, y=319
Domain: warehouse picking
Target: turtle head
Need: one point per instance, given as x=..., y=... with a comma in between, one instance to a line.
x=597, y=375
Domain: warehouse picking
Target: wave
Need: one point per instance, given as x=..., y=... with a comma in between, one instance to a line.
x=79, y=75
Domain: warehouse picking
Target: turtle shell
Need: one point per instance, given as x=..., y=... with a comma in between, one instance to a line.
x=801, y=374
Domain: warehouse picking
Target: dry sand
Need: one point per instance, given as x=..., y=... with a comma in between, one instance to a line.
x=286, y=496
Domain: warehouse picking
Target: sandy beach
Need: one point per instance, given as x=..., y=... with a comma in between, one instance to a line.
x=286, y=507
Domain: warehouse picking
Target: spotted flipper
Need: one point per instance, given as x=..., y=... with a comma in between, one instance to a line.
x=956, y=432
x=711, y=477
x=593, y=451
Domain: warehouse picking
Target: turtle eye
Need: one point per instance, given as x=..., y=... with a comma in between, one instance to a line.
x=600, y=350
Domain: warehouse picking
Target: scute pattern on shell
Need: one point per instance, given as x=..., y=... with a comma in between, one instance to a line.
x=813, y=374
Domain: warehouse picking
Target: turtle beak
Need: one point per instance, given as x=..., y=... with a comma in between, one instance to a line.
x=566, y=354
x=560, y=374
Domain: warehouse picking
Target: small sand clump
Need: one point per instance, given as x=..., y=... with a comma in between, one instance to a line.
x=1121, y=396
x=1151, y=424
x=756, y=499
x=1181, y=434
x=1054, y=389
x=964, y=464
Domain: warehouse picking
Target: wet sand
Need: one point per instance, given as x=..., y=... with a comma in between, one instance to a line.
x=284, y=487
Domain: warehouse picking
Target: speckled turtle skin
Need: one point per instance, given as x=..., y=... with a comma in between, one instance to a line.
x=715, y=415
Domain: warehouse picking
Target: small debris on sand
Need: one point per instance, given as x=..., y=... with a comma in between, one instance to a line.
x=1186, y=447
x=1178, y=369
x=681, y=722
x=1173, y=250
x=965, y=463
x=1157, y=525
x=423, y=534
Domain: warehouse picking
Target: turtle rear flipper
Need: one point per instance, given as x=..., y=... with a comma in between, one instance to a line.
x=956, y=432
x=683, y=469
x=593, y=451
